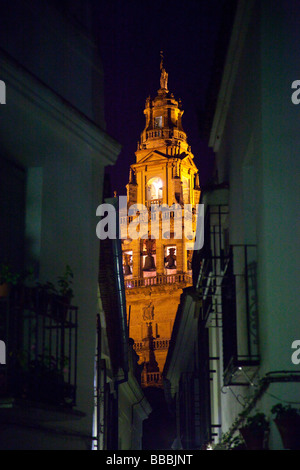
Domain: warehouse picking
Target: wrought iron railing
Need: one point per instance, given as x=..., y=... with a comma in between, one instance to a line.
x=240, y=317
x=228, y=288
x=41, y=339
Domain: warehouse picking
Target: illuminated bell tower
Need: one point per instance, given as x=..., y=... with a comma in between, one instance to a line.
x=156, y=270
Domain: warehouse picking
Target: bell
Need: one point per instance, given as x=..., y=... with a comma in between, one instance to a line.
x=149, y=263
x=126, y=265
x=171, y=259
x=126, y=270
x=171, y=264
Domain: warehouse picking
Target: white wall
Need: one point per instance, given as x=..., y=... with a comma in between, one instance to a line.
x=65, y=153
x=259, y=152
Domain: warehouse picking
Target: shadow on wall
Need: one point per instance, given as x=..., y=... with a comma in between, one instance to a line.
x=159, y=430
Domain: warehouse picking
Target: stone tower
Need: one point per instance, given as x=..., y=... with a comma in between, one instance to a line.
x=157, y=269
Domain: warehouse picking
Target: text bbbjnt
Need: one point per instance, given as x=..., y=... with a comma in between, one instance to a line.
x=2, y=353
x=2, y=92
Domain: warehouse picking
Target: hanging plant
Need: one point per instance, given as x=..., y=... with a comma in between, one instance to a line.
x=255, y=431
x=287, y=420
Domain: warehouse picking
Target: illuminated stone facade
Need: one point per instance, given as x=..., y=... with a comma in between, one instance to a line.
x=156, y=270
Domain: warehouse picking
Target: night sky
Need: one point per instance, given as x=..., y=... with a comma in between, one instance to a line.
x=131, y=36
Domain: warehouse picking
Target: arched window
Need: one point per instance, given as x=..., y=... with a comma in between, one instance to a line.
x=154, y=189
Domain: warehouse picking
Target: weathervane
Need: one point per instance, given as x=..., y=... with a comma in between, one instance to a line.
x=161, y=59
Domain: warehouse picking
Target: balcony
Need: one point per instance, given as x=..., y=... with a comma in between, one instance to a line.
x=240, y=317
x=159, y=279
x=40, y=333
x=158, y=344
x=154, y=201
x=152, y=379
x=227, y=283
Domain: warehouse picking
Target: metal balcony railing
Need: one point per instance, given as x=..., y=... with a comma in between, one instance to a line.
x=41, y=340
x=229, y=297
x=240, y=317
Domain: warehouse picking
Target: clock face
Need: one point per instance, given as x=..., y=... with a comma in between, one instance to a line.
x=158, y=121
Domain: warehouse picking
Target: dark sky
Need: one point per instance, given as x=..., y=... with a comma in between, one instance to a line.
x=132, y=33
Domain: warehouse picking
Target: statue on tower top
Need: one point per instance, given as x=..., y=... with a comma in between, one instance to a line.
x=164, y=75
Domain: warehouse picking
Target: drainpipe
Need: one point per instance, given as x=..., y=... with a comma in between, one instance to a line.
x=123, y=333
x=117, y=262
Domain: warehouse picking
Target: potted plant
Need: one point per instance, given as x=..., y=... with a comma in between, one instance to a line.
x=42, y=295
x=255, y=431
x=64, y=294
x=7, y=279
x=287, y=420
x=232, y=443
x=237, y=443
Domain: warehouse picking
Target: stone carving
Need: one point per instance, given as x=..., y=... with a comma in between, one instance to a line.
x=164, y=75
x=148, y=312
x=164, y=79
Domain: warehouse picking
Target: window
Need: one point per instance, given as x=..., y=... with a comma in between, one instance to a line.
x=158, y=122
x=127, y=263
x=154, y=189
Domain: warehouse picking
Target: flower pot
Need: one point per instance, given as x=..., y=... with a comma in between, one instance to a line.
x=254, y=439
x=4, y=289
x=289, y=430
x=240, y=447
